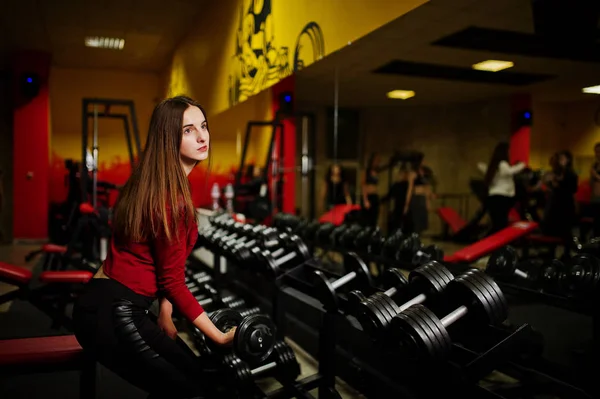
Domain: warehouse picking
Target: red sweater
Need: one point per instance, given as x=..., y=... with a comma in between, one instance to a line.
x=156, y=265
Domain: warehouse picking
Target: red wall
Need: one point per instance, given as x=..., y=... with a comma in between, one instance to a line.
x=520, y=135
x=289, y=146
x=31, y=132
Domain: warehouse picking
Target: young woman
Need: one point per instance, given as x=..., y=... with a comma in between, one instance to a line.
x=369, y=191
x=335, y=188
x=418, y=198
x=154, y=230
x=595, y=188
x=559, y=215
x=499, y=179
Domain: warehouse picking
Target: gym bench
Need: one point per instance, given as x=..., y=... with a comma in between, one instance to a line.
x=51, y=297
x=47, y=355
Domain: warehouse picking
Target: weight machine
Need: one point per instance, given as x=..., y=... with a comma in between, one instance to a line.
x=107, y=112
x=260, y=197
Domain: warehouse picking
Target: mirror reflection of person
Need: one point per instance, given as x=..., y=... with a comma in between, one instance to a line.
x=370, y=197
x=418, y=198
x=595, y=188
x=397, y=194
x=499, y=180
x=335, y=188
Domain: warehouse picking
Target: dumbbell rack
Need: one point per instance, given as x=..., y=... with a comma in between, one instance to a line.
x=588, y=307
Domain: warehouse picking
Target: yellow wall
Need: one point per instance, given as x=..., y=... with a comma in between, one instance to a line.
x=571, y=126
x=239, y=43
x=67, y=89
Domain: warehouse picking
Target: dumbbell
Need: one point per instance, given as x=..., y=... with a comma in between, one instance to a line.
x=326, y=290
x=503, y=263
x=349, y=235
x=363, y=239
x=407, y=248
x=426, y=282
x=582, y=276
x=427, y=254
x=294, y=253
x=241, y=251
x=390, y=245
x=254, y=336
x=323, y=234
x=420, y=333
x=282, y=364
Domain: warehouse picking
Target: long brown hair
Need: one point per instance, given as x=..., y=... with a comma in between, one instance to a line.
x=157, y=195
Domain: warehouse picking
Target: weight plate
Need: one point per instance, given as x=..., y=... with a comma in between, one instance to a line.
x=492, y=297
x=369, y=318
x=469, y=294
x=436, y=341
x=382, y=318
x=382, y=311
x=392, y=307
x=426, y=281
x=438, y=331
x=384, y=307
x=502, y=262
x=254, y=339
x=497, y=294
x=224, y=320
x=441, y=274
x=393, y=277
x=411, y=336
x=354, y=298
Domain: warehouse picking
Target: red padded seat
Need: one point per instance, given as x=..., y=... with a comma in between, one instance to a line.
x=54, y=249
x=86, y=209
x=42, y=350
x=16, y=275
x=337, y=214
x=451, y=218
x=491, y=243
x=65, y=276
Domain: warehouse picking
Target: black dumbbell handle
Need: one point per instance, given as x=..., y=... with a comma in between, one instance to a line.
x=263, y=369
x=521, y=273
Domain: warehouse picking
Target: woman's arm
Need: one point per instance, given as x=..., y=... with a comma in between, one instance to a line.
x=347, y=194
x=482, y=167
x=505, y=169
x=364, y=192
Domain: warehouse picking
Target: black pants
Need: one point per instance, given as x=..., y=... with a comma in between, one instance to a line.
x=371, y=215
x=595, y=211
x=114, y=324
x=499, y=207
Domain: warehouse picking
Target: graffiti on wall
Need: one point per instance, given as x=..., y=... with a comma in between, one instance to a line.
x=257, y=62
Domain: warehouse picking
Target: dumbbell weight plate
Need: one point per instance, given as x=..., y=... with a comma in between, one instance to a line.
x=439, y=337
x=496, y=298
x=427, y=272
x=224, y=319
x=393, y=277
x=370, y=318
x=410, y=336
x=441, y=343
x=503, y=262
x=390, y=304
x=254, y=338
x=467, y=290
x=375, y=307
x=354, y=298
x=383, y=307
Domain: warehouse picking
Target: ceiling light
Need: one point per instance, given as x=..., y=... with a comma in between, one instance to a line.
x=401, y=94
x=112, y=43
x=591, y=90
x=493, y=65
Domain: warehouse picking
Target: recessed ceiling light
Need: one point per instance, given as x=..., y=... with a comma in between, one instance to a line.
x=493, y=65
x=401, y=94
x=112, y=43
x=591, y=90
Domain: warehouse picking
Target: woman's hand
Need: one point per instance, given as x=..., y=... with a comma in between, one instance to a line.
x=367, y=204
x=165, y=322
x=227, y=337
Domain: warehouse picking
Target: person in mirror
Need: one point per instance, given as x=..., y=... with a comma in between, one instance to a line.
x=397, y=194
x=595, y=191
x=370, y=196
x=559, y=215
x=335, y=188
x=499, y=180
x=418, y=198
x=154, y=231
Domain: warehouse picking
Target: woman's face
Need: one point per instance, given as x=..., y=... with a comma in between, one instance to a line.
x=563, y=160
x=195, y=136
x=335, y=171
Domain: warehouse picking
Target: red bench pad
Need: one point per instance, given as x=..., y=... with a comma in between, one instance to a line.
x=489, y=244
x=16, y=275
x=66, y=276
x=86, y=208
x=23, y=351
x=54, y=249
x=337, y=214
x=451, y=218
